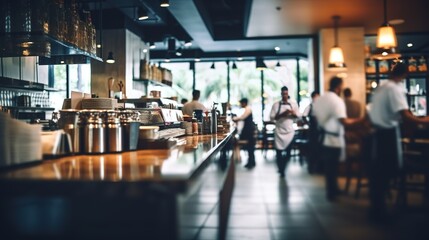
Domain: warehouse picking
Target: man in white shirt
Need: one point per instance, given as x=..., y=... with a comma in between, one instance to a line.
x=283, y=113
x=388, y=106
x=189, y=107
x=247, y=132
x=330, y=113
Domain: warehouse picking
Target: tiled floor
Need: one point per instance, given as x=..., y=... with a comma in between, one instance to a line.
x=266, y=207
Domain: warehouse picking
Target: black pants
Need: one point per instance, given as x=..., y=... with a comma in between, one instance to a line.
x=250, y=148
x=382, y=167
x=314, y=161
x=331, y=157
x=282, y=157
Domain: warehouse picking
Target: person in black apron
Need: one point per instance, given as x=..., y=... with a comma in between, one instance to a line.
x=313, y=162
x=388, y=106
x=331, y=116
x=248, y=132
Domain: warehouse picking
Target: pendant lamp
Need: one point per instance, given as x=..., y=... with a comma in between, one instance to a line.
x=336, y=56
x=386, y=40
x=165, y=3
x=110, y=58
x=142, y=14
x=260, y=65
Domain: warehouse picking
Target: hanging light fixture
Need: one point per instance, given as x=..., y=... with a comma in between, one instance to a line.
x=234, y=66
x=386, y=40
x=336, y=56
x=179, y=52
x=171, y=45
x=188, y=43
x=278, y=64
x=142, y=14
x=110, y=58
x=191, y=65
x=152, y=45
x=165, y=3
x=260, y=65
x=197, y=57
x=167, y=57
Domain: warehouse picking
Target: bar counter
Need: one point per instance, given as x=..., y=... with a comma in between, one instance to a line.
x=129, y=194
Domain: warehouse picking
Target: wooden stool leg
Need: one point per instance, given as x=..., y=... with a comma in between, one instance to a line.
x=237, y=156
x=358, y=185
x=348, y=176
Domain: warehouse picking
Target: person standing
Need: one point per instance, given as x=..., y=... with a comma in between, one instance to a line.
x=247, y=132
x=189, y=107
x=308, y=110
x=353, y=107
x=330, y=113
x=388, y=106
x=283, y=113
x=313, y=162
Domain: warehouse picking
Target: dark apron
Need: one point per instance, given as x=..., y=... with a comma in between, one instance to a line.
x=248, y=131
x=382, y=149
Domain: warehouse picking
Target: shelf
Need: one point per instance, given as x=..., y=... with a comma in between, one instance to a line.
x=371, y=76
x=38, y=44
x=31, y=108
x=152, y=82
x=11, y=83
x=49, y=89
x=417, y=74
x=416, y=95
x=20, y=84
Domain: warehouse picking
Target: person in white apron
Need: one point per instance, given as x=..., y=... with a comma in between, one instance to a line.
x=331, y=116
x=388, y=106
x=283, y=113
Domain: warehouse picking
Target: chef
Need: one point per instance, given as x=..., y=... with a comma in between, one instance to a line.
x=283, y=113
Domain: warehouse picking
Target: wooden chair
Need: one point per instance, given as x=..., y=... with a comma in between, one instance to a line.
x=267, y=137
x=356, y=152
x=414, y=176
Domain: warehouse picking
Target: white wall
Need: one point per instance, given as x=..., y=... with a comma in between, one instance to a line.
x=352, y=41
x=127, y=51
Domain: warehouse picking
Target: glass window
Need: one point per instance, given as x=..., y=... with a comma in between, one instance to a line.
x=211, y=82
x=246, y=83
x=79, y=77
x=276, y=77
x=182, y=80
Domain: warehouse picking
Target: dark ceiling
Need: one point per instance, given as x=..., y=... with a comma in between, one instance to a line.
x=229, y=28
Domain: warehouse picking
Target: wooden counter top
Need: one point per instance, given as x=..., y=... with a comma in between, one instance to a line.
x=131, y=195
x=176, y=165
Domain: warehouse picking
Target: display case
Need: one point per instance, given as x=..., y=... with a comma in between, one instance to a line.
x=416, y=84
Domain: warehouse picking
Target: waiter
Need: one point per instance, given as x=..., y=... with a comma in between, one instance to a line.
x=330, y=113
x=283, y=113
x=389, y=105
x=247, y=132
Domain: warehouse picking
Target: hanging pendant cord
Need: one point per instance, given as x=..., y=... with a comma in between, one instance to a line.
x=336, y=18
x=385, y=12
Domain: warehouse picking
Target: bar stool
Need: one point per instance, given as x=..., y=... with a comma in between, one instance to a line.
x=416, y=166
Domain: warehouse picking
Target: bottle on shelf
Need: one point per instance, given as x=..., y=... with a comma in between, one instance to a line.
x=412, y=65
x=422, y=67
